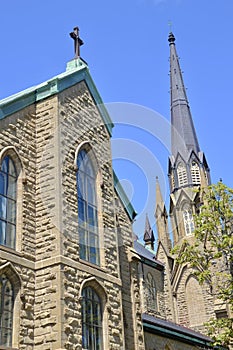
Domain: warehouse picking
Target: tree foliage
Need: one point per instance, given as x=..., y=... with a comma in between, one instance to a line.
x=211, y=254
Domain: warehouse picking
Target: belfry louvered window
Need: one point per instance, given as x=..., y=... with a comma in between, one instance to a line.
x=182, y=174
x=87, y=209
x=8, y=189
x=195, y=173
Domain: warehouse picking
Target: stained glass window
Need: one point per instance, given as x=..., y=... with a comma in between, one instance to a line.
x=151, y=293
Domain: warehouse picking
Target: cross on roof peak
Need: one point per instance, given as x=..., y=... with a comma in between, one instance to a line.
x=77, y=41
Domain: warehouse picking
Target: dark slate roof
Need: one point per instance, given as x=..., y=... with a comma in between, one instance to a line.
x=146, y=253
x=174, y=330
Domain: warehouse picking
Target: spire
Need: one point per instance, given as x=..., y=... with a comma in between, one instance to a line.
x=161, y=218
x=148, y=234
x=159, y=199
x=183, y=134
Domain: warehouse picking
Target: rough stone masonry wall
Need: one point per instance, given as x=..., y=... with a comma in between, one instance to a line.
x=131, y=297
x=47, y=266
x=58, y=287
x=47, y=185
x=167, y=294
x=18, y=131
x=183, y=296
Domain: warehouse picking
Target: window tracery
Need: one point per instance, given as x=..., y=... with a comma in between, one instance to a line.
x=87, y=209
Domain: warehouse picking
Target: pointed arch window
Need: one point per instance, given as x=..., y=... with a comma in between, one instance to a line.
x=182, y=174
x=6, y=311
x=92, y=334
x=87, y=209
x=195, y=173
x=188, y=220
x=8, y=193
x=151, y=293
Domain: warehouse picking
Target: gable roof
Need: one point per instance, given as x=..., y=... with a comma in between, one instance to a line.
x=147, y=256
x=123, y=197
x=76, y=71
x=172, y=330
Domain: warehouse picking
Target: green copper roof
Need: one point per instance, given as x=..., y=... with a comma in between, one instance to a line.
x=123, y=197
x=76, y=71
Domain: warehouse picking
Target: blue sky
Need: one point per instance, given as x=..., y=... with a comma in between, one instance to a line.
x=127, y=51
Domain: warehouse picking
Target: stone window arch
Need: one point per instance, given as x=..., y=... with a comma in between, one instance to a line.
x=10, y=284
x=8, y=202
x=89, y=245
x=151, y=292
x=6, y=310
x=195, y=173
x=12, y=178
x=182, y=174
x=188, y=220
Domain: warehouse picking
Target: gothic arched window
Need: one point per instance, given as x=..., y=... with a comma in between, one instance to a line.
x=195, y=173
x=6, y=311
x=188, y=220
x=182, y=174
x=92, y=334
x=8, y=189
x=87, y=209
x=151, y=292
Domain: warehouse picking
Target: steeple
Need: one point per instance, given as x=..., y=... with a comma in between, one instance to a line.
x=183, y=134
x=188, y=167
x=148, y=234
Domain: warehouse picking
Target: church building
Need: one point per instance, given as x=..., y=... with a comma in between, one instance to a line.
x=72, y=275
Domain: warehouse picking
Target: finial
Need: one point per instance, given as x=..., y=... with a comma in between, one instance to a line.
x=171, y=38
x=77, y=41
x=170, y=25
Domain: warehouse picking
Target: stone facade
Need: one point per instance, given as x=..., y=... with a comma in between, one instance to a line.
x=45, y=269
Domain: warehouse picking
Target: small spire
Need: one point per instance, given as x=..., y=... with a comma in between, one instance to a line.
x=148, y=234
x=161, y=218
x=159, y=198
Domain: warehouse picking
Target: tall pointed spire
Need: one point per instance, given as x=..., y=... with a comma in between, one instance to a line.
x=184, y=138
x=187, y=167
x=148, y=234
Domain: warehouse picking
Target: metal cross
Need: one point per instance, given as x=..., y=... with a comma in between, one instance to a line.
x=77, y=41
x=170, y=25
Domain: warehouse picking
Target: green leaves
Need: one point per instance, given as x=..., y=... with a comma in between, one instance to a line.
x=211, y=255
